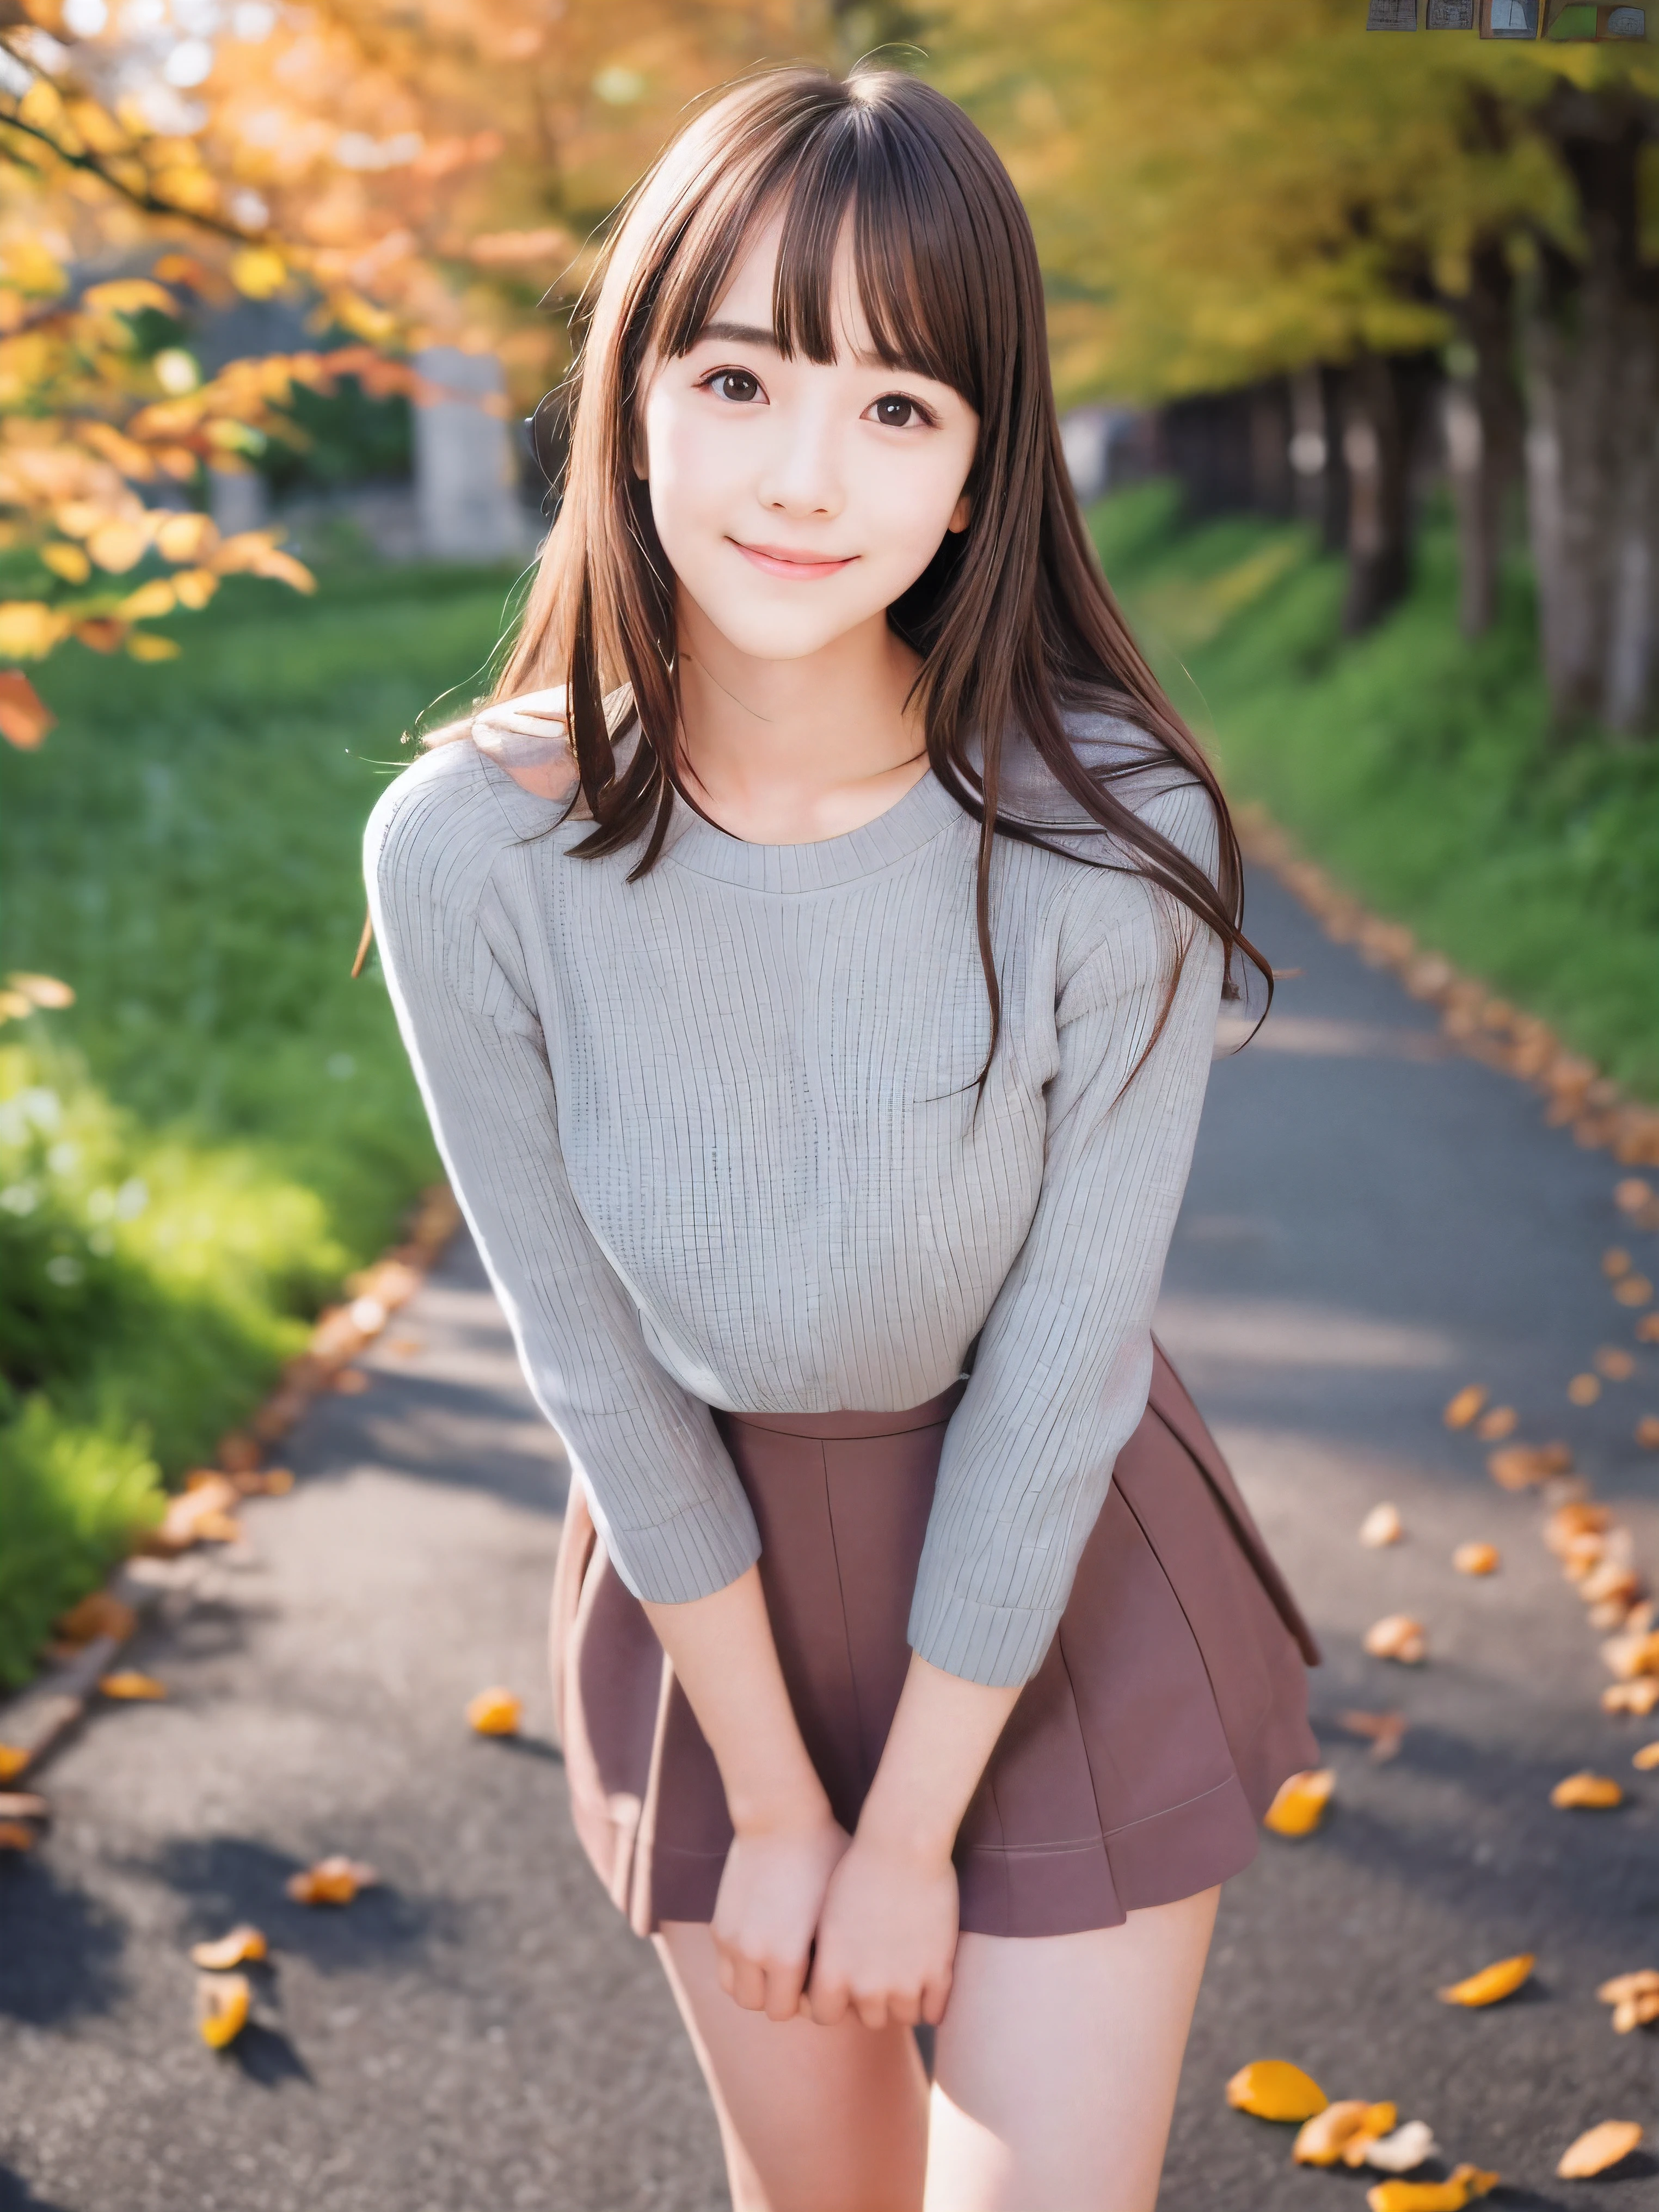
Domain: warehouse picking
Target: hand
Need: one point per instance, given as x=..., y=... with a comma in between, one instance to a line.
x=887, y=1937
x=770, y=1899
x=529, y=737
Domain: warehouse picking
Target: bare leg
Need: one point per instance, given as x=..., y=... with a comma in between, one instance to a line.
x=1055, y=2070
x=813, y=2119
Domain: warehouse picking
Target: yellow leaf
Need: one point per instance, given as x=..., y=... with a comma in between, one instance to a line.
x=143, y=645
x=1476, y=1559
x=1598, y=2149
x=155, y=597
x=29, y=628
x=186, y=538
x=13, y=1759
x=223, y=2002
x=495, y=1712
x=1299, y=1805
x=1397, y=1636
x=128, y=1682
x=1592, y=1793
x=257, y=272
x=129, y=296
x=25, y=717
x=68, y=562
x=1464, y=1407
x=1647, y=1758
x=118, y=546
x=1449, y=2196
x=241, y=1943
x=195, y=587
x=1273, y=2089
x=1502, y=1979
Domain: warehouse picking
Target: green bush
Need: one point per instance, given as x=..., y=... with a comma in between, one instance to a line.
x=1417, y=765
x=223, y=1123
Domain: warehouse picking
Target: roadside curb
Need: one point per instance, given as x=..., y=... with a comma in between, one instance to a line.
x=165, y=1573
x=1472, y=1018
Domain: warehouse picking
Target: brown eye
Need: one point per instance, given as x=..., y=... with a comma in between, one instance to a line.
x=896, y=411
x=735, y=384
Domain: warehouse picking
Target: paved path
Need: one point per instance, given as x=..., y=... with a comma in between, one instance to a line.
x=1369, y=1224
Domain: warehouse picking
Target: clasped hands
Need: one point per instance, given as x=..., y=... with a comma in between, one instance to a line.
x=812, y=1922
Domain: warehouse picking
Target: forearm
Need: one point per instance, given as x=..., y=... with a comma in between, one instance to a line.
x=940, y=1743
x=721, y=1647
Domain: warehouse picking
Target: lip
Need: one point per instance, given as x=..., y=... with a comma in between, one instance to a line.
x=796, y=568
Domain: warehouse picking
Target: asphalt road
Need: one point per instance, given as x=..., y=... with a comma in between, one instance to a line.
x=1371, y=1222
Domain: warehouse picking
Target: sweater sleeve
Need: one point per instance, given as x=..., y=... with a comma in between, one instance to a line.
x=666, y=1498
x=1064, y=1360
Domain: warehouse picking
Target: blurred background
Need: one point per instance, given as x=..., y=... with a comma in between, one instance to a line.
x=1357, y=337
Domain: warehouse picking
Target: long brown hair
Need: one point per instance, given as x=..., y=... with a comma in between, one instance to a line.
x=1013, y=620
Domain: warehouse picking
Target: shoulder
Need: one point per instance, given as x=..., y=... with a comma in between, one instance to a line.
x=436, y=832
x=1160, y=790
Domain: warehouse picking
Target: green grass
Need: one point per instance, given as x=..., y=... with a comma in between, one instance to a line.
x=223, y=1123
x=1417, y=766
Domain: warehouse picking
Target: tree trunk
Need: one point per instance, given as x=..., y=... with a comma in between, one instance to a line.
x=1386, y=398
x=1484, y=426
x=1593, y=379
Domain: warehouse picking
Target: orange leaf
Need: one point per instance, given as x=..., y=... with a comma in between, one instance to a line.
x=1583, y=1389
x=100, y=1614
x=226, y=1951
x=1465, y=1405
x=1640, y=1697
x=1385, y=1730
x=1614, y=1363
x=1491, y=1428
x=1476, y=1559
x=1322, y=2140
x=1647, y=1758
x=1616, y=1261
x=1273, y=2089
x=1647, y=1432
x=223, y=2002
x=331, y=1882
x=129, y=1683
x=1518, y=1467
x=1647, y=1329
x=1643, y=1983
x=1632, y=1290
x=13, y=1759
x=1598, y=2149
x=16, y=1836
x=495, y=1712
x=1491, y=1984
x=1299, y=1805
x=25, y=717
x=1397, y=1636
x=1587, y=1792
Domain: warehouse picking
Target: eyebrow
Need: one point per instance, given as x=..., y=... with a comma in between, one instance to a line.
x=738, y=334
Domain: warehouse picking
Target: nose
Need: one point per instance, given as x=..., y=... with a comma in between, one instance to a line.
x=802, y=475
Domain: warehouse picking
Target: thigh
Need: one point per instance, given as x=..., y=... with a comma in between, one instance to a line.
x=1055, y=2069
x=813, y=2119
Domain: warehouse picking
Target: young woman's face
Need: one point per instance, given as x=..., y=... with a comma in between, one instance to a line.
x=795, y=500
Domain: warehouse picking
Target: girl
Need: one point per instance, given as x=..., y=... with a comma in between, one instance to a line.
x=810, y=965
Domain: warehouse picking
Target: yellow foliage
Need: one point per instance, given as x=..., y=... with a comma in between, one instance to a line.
x=1274, y=2089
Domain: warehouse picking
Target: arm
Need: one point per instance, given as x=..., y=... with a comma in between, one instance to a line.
x=1059, y=1384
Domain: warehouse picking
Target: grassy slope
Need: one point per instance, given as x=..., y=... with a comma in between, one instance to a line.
x=1416, y=765
x=193, y=1153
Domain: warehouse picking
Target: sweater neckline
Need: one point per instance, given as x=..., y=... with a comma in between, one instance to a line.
x=910, y=822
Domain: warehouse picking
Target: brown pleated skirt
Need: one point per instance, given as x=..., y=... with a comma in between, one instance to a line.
x=1136, y=1766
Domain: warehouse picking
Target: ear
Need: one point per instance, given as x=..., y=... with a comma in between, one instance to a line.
x=960, y=514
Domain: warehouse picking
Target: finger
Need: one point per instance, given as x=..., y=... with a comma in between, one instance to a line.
x=748, y=1985
x=905, y=2008
x=828, y=1998
x=935, y=1997
x=872, y=2011
x=783, y=1987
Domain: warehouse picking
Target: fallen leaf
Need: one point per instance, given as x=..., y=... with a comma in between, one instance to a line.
x=201, y=1507
x=498, y=1712
x=1397, y=1636
x=221, y=2008
x=1386, y=1732
x=1587, y=1793
x=1631, y=2013
x=1583, y=1389
x=238, y=1452
x=1402, y=2150
x=350, y=1383
x=1616, y=1262
x=14, y=1759
x=1476, y=1559
x=334, y=1880
x=1299, y=1805
x=1611, y=1580
x=1647, y=1329
x=1632, y=1290
x=1569, y=1522
x=242, y=1943
x=1627, y=1656
x=1273, y=2089
x=128, y=1682
x=1642, y=1983
x=1382, y=1525
x=1322, y=2140
x=1647, y=1758
x=1449, y=2196
x=1493, y=1983
x=1465, y=1405
x=16, y=1836
x=1614, y=1362
x=1631, y=1196
x=1518, y=1467
x=1640, y=1697
x=1598, y=2149
x=1647, y=1432
x=99, y=1614
x=1491, y=1428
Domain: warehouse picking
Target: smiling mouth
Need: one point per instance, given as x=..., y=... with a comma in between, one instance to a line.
x=798, y=568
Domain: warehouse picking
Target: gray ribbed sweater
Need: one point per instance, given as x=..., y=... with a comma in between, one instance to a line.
x=714, y=1134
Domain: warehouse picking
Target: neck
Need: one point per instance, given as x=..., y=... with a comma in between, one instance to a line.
x=791, y=751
